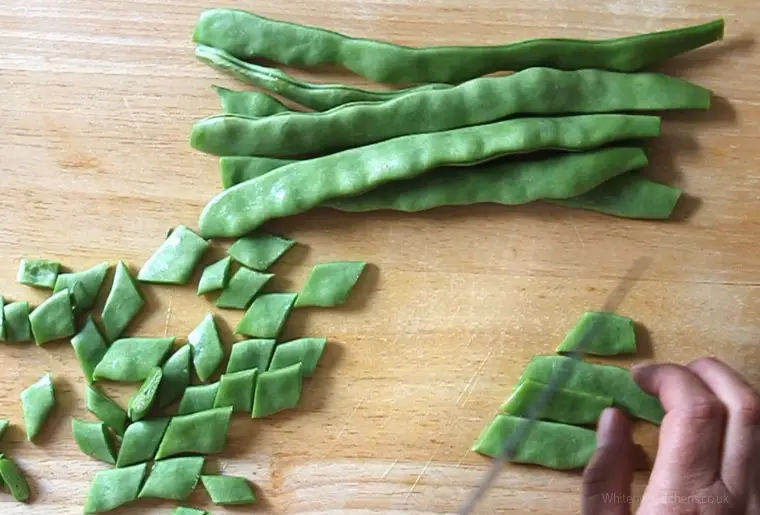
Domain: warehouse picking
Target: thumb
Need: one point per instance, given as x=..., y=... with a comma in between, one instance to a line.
x=607, y=477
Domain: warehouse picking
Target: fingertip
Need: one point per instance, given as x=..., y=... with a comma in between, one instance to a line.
x=613, y=429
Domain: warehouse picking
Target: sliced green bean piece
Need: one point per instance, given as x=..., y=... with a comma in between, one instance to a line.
x=89, y=347
x=38, y=272
x=132, y=359
x=628, y=196
x=243, y=287
x=53, y=319
x=198, y=398
x=183, y=510
x=12, y=476
x=612, y=334
x=175, y=377
x=553, y=445
x=566, y=406
x=277, y=390
x=207, y=348
x=502, y=181
x=123, y=303
x=90, y=282
x=249, y=103
x=303, y=351
x=2, y=318
x=112, y=488
x=37, y=401
x=3, y=426
x=141, y=441
x=215, y=276
x=198, y=433
x=267, y=315
x=249, y=354
x=297, y=187
x=107, y=411
x=93, y=440
x=236, y=390
x=175, y=259
x=601, y=380
x=236, y=169
x=249, y=36
x=173, y=479
x=329, y=284
x=228, y=490
x=143, y=399
x=259, y=251
x=17, y=326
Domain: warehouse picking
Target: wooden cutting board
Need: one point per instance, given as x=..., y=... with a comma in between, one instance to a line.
x=97, y=101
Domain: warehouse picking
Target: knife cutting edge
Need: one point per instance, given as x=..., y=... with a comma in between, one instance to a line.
x=560, y=376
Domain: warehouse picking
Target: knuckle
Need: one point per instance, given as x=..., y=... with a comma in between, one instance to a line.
x=704, y=410
x=747, y=407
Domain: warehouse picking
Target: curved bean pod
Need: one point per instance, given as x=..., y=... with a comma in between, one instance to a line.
x=249, y=103
x=175, y=376
x=12, y=476
x=249, y=36
x=143, y=399
x=236, y=169
x=302, y=185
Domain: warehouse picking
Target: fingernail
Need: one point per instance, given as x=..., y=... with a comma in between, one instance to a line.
x=642, y=364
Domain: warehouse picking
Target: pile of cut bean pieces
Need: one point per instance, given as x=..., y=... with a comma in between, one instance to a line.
x=568, y=126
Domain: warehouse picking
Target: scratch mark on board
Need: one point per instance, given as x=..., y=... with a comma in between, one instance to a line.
x=467, y=388
x=572, y=224
x=417, y=481
x=389, y=469
x=168, y=319
x=134, y=118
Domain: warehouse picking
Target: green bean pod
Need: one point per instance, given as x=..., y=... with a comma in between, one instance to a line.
x=16, y=321
x=305, y=352
x=566, y=406
x=242, y=288
x=53, y=319
x=12, y=476
x=329, y=284
x=266, y=316
x=89, y=347
x=198, y=433
x=216, y=276
x=38, y=272
x=277, y=390
x=302, y=185
x=236, y=169
x=93, y=439
x=173, y=479
x=175, y=259
x=228, y=490
x=112, y=488
x=236, y=390
x=90, y=282
x=259, y=251
x=175, y=376
x=198, y=398
x=141, y=441
x=143, y=399
x=612, y=334
x=207, y=348
x=107, y=411
x=132, y=359
x=184, y=510
x=249, y=103
x=37, y=401
x=249, y=36
x=248, y=354
x=123, y=303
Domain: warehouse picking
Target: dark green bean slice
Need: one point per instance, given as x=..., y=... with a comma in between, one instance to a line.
x=38, y=272
x=143, y=399
x=53, y=319
x=553, y=445
x=236, y=390
x=183, y=510
x=173, y=479
x=329, y=284
x=3, y=426
x=90, y=282
x=93, y=440
x=37, y=401
x=123, y=303
x=207, y=348
x=198, y=398
x=175, y=377
x=228, y=490
x=175, y=259
x=141, y=441
x=302, y=185
x=502, y=181
x=628, y=196
x=243, y=287
x=249, y=36
x=198, y=433
x=132, y=359
x=566, y=406
x=107, y=411
x=215, y=276
x=613, y=334
x=267, y=315
x=112, y=488
x=601, y=380
x=17, y=327
x=249, y=103
x=89, y=347
x=249, y=354
x=259, y=251
x=236, y=169
x=303, y=351
x=12, y=476
x=277, y=390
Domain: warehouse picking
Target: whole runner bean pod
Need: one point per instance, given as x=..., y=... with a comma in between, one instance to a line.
x=248, y=354
x=329, y=284
x=175, y=377
x=553, y=445
x=173, y=479
x=277, y=390
x=17, y=327
x=249, y=36
x=107, y=411
x=207, y=348
x=215, y=276
x=259, y=251
x=12, y=476
x=89, y=347
x=236, y=390
x=198, y=433
x=267, y=315
x=303, y=351
x=228, y=490
x=175, y=259
x=198, y=398
x=90, y=282
x=612, y=334
x=112, y=488
x=37, y=401
x=123, y=303
x=132, y=359
x=53, y=319
x=38, y=272
x=503, y=181
x=143, y=399
x=566, y=406
x=249, y=103
x=93, y=439
x=236, y=169
x=141, y=441
x=298, y=187
x=243, y=286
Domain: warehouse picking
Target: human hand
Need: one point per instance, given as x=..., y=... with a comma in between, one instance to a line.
x=708, y=440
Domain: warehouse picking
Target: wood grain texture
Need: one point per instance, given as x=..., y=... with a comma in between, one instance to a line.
x=97, y=101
